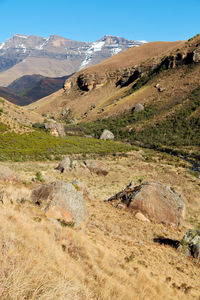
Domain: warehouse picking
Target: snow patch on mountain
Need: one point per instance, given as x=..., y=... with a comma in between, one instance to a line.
x=20, y=36
x=96, y=46
x=2, y=45
x=41, y=46
x=115, y=50
x=23, y=47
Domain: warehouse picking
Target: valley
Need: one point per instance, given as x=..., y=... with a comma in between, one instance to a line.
x=60, y=237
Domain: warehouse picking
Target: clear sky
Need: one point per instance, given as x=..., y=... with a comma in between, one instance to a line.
x=88, y=20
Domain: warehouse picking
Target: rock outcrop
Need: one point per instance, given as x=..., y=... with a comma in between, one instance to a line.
x=61, y=201
x=107, y=135
x=55, y=129
x=154, y=200
x=190, y=244
x=122, y=77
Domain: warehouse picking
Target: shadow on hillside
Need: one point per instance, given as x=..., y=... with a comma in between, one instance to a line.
x=169, y=242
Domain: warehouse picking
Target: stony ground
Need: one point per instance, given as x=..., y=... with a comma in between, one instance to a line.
x=116, y=257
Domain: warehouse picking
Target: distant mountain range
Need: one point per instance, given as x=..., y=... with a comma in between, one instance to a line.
x=54, y=56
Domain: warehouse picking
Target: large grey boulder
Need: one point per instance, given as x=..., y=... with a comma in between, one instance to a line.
x=61, y=201
x=107, y=135
x=155, y=201
x=190, y=243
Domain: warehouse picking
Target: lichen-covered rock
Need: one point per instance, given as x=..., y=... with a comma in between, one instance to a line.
x=190, y=243
x=154, y=200
x=107, y=135
x=61, y=201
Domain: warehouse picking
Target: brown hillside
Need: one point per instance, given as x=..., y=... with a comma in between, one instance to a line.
x=16, y=117
x=116, y=257
x=101, y=82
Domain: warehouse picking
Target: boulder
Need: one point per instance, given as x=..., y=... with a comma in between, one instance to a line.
x=6, y=174
x=190, y=243
x=139, y=107
x=196, y=56
x=61, y=201
x=64, y=165
x=107, y=135
x=55, y=129
x=154, y=200
x=96, y=167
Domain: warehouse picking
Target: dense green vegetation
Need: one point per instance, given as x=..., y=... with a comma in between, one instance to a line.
x=39, y=145
x=117, y=125
x=179, y=129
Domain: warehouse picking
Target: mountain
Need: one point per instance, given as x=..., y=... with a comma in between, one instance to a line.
x=30, y=88
x=54, y=56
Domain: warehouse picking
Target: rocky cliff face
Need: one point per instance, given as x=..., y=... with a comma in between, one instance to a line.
x=67, y=56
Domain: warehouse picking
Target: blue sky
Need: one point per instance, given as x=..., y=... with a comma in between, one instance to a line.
x=88, y=20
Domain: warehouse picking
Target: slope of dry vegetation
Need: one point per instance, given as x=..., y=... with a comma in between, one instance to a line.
x=116, y=258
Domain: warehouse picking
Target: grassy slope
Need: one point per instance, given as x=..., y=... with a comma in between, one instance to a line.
x=116, y=258
x=38, y=145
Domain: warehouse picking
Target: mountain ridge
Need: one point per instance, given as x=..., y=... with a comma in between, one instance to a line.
x=54, y=56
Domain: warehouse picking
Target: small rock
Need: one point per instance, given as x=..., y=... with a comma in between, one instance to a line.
x=64, y=165
x=139, y=107
x=141, y=217
x=107, y=135
x=190, y=244
x=161, y=89
x=96, y=167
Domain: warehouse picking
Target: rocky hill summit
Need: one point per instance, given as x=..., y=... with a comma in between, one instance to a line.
x=54, y=56
x=189, y=53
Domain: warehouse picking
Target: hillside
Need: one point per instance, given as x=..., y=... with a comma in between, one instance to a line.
x=100, y=81
x=114, y=254
x=17, y=118
x=29, y=88
x=116, y=257
x=54, y=56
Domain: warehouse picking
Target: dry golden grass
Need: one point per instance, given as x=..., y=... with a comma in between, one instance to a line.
x=116, y=258
x=17, y=118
